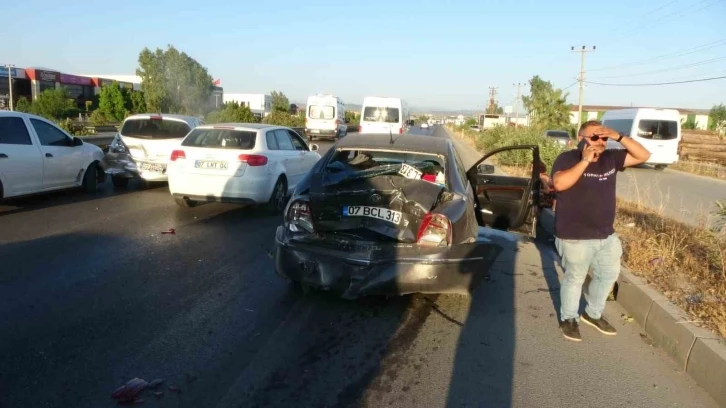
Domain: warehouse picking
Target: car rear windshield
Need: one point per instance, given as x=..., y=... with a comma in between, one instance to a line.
x=321, y=112
x=221, y=139
x=658, y=129
x=558, y=134
x=372, y=163
x=380, y=114
x=155, y=128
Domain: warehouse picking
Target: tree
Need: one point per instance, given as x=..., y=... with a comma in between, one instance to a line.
x=470, y=122
x=280, y=102
x=280, y=118
x=111, y=102
x=717, y=118
x=138, y=104
x=232, y=112
x=174, y=82
x=54, y=104
x=23, y=105
x=423, y=118
x=547, y=105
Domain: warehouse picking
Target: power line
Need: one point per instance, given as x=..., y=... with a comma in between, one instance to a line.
x=699, y=48
x=660, y=83
x=677, y=14
x=570, y=86
x=650, y=12
x=693, y=64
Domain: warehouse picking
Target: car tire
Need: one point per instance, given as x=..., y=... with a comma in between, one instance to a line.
x=184, y=203
x=120, y=182
x=90, y=179
x=660, y=166
x=278, y=199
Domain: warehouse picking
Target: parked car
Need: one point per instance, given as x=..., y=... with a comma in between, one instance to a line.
x=37, y=156
x=143, y=145
x=424, y=125
x=475, y=128
x=562, y=137
x=247, y=163
x=390, y=214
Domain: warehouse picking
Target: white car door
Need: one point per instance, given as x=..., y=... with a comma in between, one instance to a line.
x=63, y=162
x=21, y=163
x=307, y=158
x=291, y=157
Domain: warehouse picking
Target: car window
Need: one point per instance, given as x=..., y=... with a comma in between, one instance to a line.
x=381, y=114
x=13, y=131
x=283, y=140
x=297, y=142
x=658, y=129
x=49, y=135
x=221, y=139
x=155, y=128
x=271, y=141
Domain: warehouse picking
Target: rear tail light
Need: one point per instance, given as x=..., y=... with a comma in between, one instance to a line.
x=435, y=231
x=400, y=131
x=117, y=145
x=337, y=121
x=298, y=217
x=253, y=159
x=360, y=128
x=178, y=154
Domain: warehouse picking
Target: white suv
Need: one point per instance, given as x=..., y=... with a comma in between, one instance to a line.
x=246, y=163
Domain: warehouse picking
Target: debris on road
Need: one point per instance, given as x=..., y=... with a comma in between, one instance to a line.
x=169, y=231
x=627, y=318
x=130, y=390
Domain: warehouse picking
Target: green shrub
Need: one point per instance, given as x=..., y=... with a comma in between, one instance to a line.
x=73, y=129
x=281, y=118
x=502, y=136
x=98, y=118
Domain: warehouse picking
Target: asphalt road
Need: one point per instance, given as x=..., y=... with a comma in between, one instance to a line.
x=687, y=197
x=92, y=295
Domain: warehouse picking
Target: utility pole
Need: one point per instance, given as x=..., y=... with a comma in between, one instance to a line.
x=10, y=84
x=492, y=100
x=581, y=79
x=516, y=104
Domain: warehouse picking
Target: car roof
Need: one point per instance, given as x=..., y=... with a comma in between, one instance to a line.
x=238, y=125
x=406, y=142
x=185, y=118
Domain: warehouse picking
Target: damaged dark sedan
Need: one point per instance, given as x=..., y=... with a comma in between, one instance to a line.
x=399, y=214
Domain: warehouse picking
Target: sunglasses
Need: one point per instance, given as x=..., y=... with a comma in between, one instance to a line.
x=595, y=138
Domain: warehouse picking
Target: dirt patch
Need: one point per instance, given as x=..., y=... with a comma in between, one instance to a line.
x=707, y=169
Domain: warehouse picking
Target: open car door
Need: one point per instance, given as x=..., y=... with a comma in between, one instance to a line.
x=507, y=195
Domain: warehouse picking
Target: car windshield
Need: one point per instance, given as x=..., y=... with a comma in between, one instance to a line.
x=152, y=128
x=658, y=129
x=558, y=134
x=221, y=139
x=380, y=114
x=361, y=164
x=321, y=112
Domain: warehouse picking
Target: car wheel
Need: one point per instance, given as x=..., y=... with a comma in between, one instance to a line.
x=90, y=179
x=120, y=182
x=660, y=166
x=184, y=203
x=279, y=197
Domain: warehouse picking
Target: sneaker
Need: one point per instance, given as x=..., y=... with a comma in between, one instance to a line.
x=600, y=324
x=571, y=330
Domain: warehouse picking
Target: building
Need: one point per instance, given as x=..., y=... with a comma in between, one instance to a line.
x=20, y=83
x=259, y=104
x=594, y=112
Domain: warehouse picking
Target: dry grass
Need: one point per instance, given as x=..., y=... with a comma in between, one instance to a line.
x=702, y=168
x=686, y=263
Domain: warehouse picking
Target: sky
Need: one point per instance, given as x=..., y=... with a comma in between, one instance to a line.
x=435, y=54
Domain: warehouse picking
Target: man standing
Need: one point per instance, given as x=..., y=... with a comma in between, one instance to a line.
x=585, y=237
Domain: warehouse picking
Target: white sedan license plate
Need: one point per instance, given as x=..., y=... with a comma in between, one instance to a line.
x=373, y=212
x=155, y=167
x=410, y=172
x=214, y=165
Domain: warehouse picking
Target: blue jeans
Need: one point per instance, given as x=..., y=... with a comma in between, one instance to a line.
x=578, y=256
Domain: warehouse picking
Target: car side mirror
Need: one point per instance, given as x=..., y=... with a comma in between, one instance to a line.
x=485, y=169
x=77, y=141
x=314, y=147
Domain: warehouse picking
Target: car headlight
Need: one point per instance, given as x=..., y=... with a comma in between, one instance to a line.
x=118, y=146
x=298, y=217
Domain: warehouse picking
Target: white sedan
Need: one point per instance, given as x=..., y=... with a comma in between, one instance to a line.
x=37, y=156
x=245, y=163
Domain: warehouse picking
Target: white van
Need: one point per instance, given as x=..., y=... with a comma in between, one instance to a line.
x=325, y=117
x=658, y=130
x=384, y=115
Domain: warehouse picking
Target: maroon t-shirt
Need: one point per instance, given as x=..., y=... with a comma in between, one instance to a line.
x=587, y=209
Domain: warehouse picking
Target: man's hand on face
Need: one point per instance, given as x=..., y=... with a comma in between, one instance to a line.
x=604, y=131
x=591, y=152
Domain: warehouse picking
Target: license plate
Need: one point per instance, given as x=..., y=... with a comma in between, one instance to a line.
x=214, y=165
x=410, y=172
x=155, y=167
x=379, y=213
x=315, y=131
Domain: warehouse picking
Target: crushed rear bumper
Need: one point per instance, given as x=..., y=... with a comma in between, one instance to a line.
x=353, y=269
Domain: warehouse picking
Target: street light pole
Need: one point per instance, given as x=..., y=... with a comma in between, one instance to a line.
x=516, y=105
x=10, y=84
x=581, y=79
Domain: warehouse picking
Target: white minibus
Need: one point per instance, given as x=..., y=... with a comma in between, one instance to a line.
x=384, y=115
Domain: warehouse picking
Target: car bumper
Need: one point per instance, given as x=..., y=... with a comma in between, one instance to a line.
x=121, y=165
x=321, y=133
x=353, y=270
x=246, y=189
